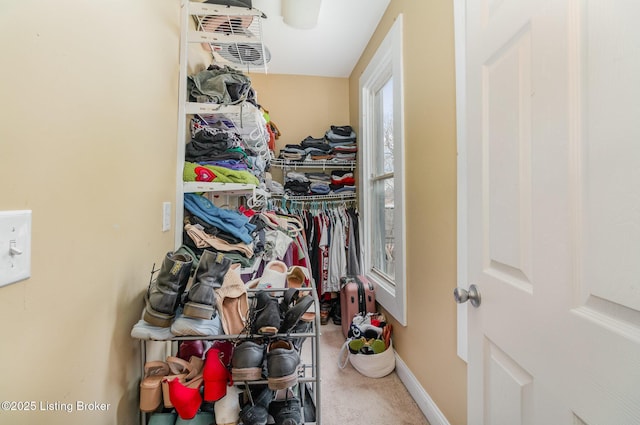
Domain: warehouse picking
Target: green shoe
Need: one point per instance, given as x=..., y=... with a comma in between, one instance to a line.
x=163, y=419
x=202, y=418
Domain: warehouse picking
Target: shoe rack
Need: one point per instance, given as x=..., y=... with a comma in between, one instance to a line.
x=308, y=388
x=215, y=27
x=211, y=26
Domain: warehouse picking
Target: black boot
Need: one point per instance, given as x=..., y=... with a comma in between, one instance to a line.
x=209, y=275
x=335, y=313
x=266, y=314
x=164, y=292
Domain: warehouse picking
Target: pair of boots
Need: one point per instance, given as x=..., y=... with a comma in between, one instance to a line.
x=165, y=292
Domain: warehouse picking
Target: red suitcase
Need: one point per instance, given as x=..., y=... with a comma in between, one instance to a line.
x=357, y=295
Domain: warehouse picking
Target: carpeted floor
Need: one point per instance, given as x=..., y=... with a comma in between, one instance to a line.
x=347, y=397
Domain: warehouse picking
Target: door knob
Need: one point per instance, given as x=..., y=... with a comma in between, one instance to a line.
x=461, y=295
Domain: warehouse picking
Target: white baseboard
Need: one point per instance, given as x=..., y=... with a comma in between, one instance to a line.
x=422, y=399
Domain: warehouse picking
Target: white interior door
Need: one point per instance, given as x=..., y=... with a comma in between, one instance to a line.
x=553, y=148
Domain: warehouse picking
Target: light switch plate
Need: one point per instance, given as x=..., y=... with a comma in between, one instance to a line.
x=15, y=246
x=166, y=216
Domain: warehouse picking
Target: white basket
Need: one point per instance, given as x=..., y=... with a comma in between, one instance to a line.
x=370, y=365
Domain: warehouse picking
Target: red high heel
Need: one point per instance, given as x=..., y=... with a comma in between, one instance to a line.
x=186, y=397
x=216, y=376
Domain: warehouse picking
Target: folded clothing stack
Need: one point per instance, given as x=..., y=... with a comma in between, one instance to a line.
x=296, y=184
x=342, y=181
x=319, y=183
x=337, y=144
x=342, y=140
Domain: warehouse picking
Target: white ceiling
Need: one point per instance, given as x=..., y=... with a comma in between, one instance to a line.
x=332, y=48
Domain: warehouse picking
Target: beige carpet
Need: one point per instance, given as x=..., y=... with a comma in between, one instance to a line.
x=347, y=397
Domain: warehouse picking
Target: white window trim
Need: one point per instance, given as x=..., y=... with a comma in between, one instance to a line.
x=386, y=62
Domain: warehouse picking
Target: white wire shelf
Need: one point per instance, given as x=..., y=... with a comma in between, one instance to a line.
x=195, y=108
x=328, y=197
x=324, y=164
x=226, y=188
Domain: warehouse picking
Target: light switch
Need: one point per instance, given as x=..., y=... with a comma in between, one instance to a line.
x=15, y=246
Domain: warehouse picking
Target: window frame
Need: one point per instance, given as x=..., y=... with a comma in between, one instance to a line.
x=386, y=63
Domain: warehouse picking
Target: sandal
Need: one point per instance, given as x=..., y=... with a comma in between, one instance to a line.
x=150, y=389
x=186, y=372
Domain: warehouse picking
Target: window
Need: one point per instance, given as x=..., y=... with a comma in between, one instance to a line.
x=382, y=177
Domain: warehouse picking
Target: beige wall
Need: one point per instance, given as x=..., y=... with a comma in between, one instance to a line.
x=302, y=106
x=428, y=343
x=87, y=142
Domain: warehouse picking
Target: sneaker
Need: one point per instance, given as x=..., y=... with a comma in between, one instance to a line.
x=246, y=363
x=282, y=364
x=189, y=326
x=145, y=330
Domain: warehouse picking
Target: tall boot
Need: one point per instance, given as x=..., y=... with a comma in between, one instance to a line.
x=166, y=289
x=201, y=299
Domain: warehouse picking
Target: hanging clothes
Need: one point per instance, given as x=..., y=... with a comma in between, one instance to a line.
x=332, y=236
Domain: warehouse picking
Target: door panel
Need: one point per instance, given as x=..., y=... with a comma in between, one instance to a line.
x=507, y=148
x=553, y=178
x=509, y=389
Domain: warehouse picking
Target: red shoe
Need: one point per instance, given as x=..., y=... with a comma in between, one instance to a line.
x=191, y=348
x=186, y=398
x=216, y=376
x=226, y=348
